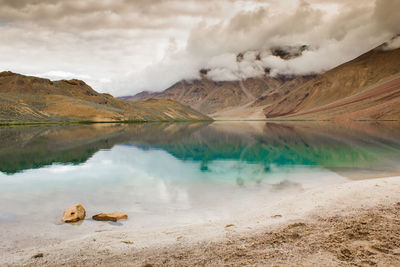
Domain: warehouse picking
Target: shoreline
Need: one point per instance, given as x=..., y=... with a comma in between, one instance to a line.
x=96, y=122
x=15, y=123
x=286, y=226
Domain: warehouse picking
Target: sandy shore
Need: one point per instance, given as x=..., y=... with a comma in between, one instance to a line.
x=353, y=223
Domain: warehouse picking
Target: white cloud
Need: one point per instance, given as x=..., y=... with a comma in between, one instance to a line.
x=57, y=75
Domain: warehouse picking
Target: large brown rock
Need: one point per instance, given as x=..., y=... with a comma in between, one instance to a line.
x=112, y=216
x=74, y=213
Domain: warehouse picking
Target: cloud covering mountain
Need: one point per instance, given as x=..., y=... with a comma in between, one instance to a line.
x=124, y=46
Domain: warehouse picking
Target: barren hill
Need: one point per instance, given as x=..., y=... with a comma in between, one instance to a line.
x=366, y=88
x=219, y=98
x=32, y=99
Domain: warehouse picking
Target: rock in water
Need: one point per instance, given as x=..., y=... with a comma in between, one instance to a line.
x=74, y=213
x=112, y=216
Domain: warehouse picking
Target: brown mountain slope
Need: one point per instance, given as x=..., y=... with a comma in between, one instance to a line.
x=24, y=98
x=203, y=95
x=227, y=99
x=253, y=110
x=380, y=102
x=366, y=88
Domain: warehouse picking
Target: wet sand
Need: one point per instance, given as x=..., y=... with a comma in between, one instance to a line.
x=356, y=223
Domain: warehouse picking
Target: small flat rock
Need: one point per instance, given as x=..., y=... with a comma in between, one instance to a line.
x=111, y=216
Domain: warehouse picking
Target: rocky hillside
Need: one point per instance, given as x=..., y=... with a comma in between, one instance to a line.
x=32, y=99
x=217, y=98
x=366, y=88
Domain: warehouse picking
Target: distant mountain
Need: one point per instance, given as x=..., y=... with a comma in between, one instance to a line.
x=217, y=98
x=366, y=88
x=139, y=96
x=32, y=99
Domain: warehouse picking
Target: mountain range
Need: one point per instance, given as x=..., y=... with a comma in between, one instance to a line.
x=32, y=99
x=366, y=88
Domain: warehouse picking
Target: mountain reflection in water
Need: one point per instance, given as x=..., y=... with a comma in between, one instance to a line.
x=355, y=150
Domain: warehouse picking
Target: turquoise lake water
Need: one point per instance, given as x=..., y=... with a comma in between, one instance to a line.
x=175, y=173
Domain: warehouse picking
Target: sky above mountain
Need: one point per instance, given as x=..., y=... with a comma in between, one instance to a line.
x=123, y=46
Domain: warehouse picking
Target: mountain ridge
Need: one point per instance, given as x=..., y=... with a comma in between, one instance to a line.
x=212, y=97
x=32, y=99
x=365, y=72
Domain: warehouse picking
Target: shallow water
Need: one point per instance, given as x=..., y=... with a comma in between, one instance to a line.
x=174, y=173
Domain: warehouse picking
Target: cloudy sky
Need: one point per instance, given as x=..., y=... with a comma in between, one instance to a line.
x=126, y=46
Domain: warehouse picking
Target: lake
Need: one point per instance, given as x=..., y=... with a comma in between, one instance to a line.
x=174, y=173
